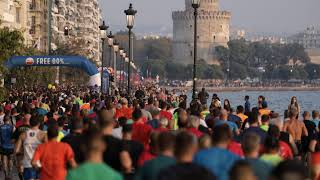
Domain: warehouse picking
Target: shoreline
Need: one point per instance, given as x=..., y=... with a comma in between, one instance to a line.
x=238, y=89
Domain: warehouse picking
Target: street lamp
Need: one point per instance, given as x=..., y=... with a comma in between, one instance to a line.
x=110, y=43
x=195, y=5
x=103, y=35
x=115, y=50
x=130, y=14
x=124, y=55
x=121, y=51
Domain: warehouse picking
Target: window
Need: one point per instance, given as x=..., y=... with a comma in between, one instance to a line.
x=17, y=15
x=33, y=4
x=33, y=20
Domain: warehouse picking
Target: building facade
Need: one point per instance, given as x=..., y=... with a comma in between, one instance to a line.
x=213, y=30
x=81, y=17
x=310, y=40
x=13, y=15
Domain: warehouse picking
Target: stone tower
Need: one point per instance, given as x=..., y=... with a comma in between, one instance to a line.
x=213, y=30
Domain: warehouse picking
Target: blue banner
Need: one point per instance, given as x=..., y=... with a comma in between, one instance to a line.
x=70, y=61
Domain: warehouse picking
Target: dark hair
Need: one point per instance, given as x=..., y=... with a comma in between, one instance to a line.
x=221, y=133
x=34, y=121
x=163, y=104
x=142, y=104
x=150, y=100
x=253, y=117
x=137, y=114
x=240, y=109
x=53, y=131
x=61, y=121
x=271, y=144
x=122, y=121
x=247, y=97
x=249, y=142
x=238, y=169
x=166, y=141
x=292, y=167
x=274, y=131
x=88, y=141
x=127, y=128
x=265, y=118
x=184, y=140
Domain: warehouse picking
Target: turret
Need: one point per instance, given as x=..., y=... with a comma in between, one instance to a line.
x=207, y=5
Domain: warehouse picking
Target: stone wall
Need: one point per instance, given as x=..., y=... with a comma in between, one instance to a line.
x=213, y=30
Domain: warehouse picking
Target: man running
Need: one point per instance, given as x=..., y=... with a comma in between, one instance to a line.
x=295, y=128
x=30, y=140
x=7, y=146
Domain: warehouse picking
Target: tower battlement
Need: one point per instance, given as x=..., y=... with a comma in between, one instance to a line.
x=210, y=5
x=202, y=15
x=213, y=30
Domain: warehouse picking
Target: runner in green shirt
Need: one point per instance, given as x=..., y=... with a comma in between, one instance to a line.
x=94, y=169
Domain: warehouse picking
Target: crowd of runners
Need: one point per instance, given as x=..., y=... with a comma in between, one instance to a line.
x=78, y=134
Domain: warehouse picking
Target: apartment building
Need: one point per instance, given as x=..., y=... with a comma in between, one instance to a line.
x=13, y=15
x=81, y=17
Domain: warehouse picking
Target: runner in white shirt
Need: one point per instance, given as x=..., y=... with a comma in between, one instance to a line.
x=30, y=140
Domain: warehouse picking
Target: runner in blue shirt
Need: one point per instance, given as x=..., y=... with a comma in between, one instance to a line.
x=7, y=146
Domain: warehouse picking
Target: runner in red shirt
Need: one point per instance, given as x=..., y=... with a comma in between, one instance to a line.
x=53, y=156
x=140, y=131
x=164, y=112
x=124, y=111
x=194, y=125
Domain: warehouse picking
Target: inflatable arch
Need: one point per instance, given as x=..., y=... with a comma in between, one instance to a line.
x=69, y=61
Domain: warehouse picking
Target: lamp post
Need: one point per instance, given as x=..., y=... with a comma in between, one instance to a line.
x=110, y=43
x=103, y=35
x=121, y=50
x=130, y=14
x=195, y=5
x=115, y=50
x=124, y=55
x=126, y=60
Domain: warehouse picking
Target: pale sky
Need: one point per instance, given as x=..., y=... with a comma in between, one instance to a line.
x=269, y=16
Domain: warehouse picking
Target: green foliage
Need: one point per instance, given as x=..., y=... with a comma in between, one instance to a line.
x=245, y=58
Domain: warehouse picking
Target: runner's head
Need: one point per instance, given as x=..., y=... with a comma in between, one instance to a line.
x=186, y=146
x=221, y=135
x=53, y=131
x=137, y=115
x=240, y=109
x=242, y=170
x=92, y=143
x=251, y=144
x=34, y=121
x=166, y=143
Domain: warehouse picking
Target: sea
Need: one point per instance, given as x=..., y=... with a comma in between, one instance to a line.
x=278, y=101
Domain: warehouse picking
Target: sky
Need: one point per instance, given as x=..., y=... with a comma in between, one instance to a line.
x=262, y=16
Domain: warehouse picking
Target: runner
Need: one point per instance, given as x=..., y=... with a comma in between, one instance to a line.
x=7, y=146
x=29, y=141
x=53, y=156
